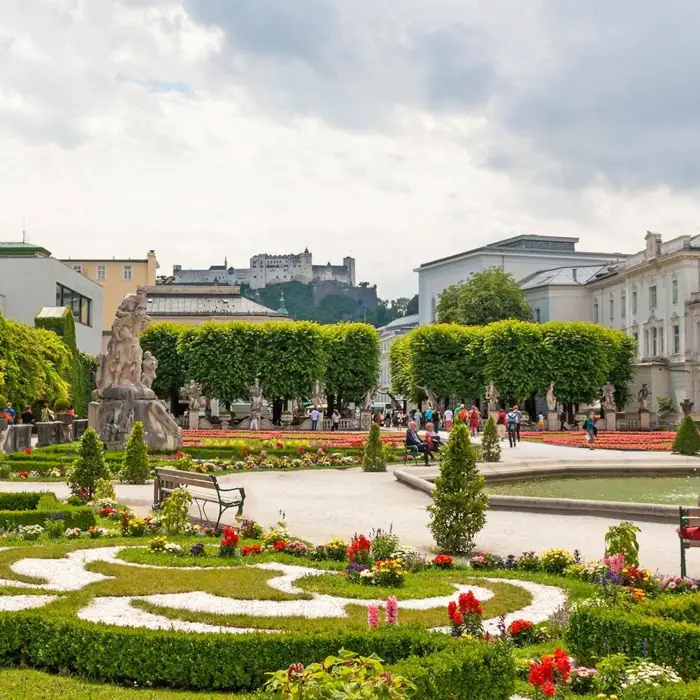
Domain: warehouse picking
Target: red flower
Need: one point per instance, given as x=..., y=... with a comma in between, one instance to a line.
x=517, y=626
x=230, y=538
x=250, y=550
x=27, y=450
x=549, y=689
x=469, y=605
x=359, y=544
x=443, y=561
x=24, y=475
x=279, y=545
x=454, y=614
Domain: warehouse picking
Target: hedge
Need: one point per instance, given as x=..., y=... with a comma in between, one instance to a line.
x=239, y=663
x=675, y=691
x=25, y=509
x=597, y=632
x=22, y=500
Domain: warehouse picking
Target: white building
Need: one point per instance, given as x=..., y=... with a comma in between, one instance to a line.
x=31, y=279
x=268, y=269
x=387, y=335
x=521, y=256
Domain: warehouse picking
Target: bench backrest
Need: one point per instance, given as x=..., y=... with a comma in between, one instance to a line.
x=173, y=478
x=690, y=516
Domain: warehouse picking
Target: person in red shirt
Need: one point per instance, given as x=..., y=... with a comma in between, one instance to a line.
x=501, y=424
x=463, y=415
x=474, y=421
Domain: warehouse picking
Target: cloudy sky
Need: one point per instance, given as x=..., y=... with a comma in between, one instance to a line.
x=396, y=131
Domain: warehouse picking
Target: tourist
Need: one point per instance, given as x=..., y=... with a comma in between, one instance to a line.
x=512, y=426
x=428, y=415
x=70, y=411
x=474, y=421
x=414, y=443
x=436, y=420
x=335, y=419
x=448, y=419
x=46, y=413
x=519, y=423
x=432, y=438
x=27, y=416
x=591, y=430
x=314, y=418
x=462, y=414
x=10, y=414
x=540, y=423
x=418, y=418
x=378, y=418
x=501, y=424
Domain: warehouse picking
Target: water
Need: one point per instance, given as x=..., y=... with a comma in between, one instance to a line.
x=674, y=490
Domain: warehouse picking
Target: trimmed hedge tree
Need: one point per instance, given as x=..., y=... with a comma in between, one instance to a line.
x=687, y=440
x=374, y=459
x=490, y=444
x=136, y=469
x=89, y=467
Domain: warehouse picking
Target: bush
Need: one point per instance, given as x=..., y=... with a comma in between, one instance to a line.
x=687, y=440
x=175, y=510
x=104, y=490
x=459, y=510
x=374, y=459
x=70, y=516
x=89, y=467
x=677, y=691
x=136, y=469
x=554, y=561
x=622, y=539
x=22, y=500
x=490, y=444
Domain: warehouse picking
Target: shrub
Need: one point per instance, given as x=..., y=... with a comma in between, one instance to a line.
x=459, y=510
x=136, y=468
x=41, y=507
x=251, y=530
x=175, y=511
x=374, y=459
x=89, y=467
x=384, y=545
x=104, y=490
x=622, y=539
x=490, y=444
x=687, y=440
x=136, y=527
x=554, y=561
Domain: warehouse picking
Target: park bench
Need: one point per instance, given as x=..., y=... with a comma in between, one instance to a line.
x=689, y=517
x=206, y=489
x=411, y=452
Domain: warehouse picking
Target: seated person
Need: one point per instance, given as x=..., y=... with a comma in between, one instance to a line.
x=432, y=438
x=414, y=443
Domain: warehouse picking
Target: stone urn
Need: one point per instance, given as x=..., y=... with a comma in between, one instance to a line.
x=286, y=418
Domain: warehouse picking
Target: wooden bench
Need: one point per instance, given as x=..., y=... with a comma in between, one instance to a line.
x=689, y=517
x=207, y=490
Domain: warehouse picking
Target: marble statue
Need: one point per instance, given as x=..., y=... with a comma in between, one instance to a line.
x=318, y=397
x=3, y=436
x=432, y=397
x=192, y=391
x=551, y=399
x=124, y=380
x=643, y=398
x=492, y=396
x=369, y=396
x=148, y=369
x=256, y=405
x=609, y=398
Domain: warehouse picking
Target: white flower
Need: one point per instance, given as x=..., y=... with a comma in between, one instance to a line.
x=172, y=548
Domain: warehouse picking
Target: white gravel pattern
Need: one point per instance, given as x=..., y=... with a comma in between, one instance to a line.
x=13, y=603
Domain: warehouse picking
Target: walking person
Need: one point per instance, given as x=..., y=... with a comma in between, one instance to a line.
x=512, y=425
x=589, y=427
x=463, y=414
x=474, y=421
x=417, y=416
x=540, y=423
x=518, y=413
x=428, y=415
x=335, y=419
x=447, y=417
x=501, y=425
x=314, y=418
x=436, y=420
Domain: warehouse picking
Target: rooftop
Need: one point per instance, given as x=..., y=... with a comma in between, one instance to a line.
x=411, y=320
x=180, y=300
x=563, y=276
x=25, y=250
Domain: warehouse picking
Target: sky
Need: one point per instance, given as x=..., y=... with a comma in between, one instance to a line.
x=397, y=131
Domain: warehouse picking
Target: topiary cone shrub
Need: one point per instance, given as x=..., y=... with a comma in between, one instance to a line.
x=136, y=468
x=89, y=467
x=374, y=459
x=490, y=444
x=459, y=508
x=687, y=440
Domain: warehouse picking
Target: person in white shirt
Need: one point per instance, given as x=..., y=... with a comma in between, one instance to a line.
x=448, y=419
x=335, y=420
x=314, y=418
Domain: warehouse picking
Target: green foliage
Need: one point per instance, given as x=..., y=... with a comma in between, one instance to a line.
x=89, y=466
x=136, y=468
x=347, y=676
x=610, y=672
x=161, y=339
x=622, y=539
x=487, y=296
x=490, y=444
x=104, y=489
x=22, y=500
x=687, y=440
x=175, y=510
x=459, y=509
x=24, y=508
x=83, y=383
x=374, y=458
x=667, y=404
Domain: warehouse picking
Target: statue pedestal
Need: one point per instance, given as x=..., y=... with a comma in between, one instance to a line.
x=48, y=433
x=611, y=420
x=553, y=421
x=365, y=420
x=194, y=420
x=644, y=420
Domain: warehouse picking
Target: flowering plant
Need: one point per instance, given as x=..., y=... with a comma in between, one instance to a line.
x=646, y=673
x=172, y=548
x=465, y=616
x=522, y=633
x=23, y=475
x=108, y=512
x=73, y=533
x=443, y=561
x=250, y=550
x=581, y=679
x=359, y=549
x=197, y=550
x=554, y=561
x=31, y=532
x=296, y=548
x=389, y=572
x=157, y=544
x=353, y=571
x=228, y=542
x=391, y=611
x=676, y=584
x=27, y=450
x=96, y=532
x=486, y=560
x=251, y=530
x=551, y=670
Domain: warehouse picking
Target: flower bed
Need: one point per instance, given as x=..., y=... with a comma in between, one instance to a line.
x=614, y=440
x=268, y=439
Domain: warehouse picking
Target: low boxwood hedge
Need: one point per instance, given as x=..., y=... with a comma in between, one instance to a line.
x=648, y=629
x=23, y=500
x=240, y=662
x=28, y=508
x=675, y=691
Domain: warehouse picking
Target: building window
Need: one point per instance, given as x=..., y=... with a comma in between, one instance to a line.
x=595, y=312
x=674, y=291
x=126, y=272
x=78, y=268
x=652, y=297
x=623, y=305
x=661, y=341
x=646, y=343
x=80, y=306
x=636, y=342
x=612, y=309
x=101, y=272
x=654, y=340
x=676, y=339
x=634, y=301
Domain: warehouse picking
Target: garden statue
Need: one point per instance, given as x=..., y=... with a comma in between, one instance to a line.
x=551, y=399
x=192, y=391
x=686, y=406
x=369, y=399
x=318, y=397
x=492, y=396
x=124, y=381
x=256, y=405
x=148, y=369
x=609, y=398
x=432, y=397
x=643, y=398
x=3, y=435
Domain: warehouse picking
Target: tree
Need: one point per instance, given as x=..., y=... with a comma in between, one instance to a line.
x=136, y=468
x=459, y=509
x=490, y=444
x=374, y=459
x=412, y=307
x=162, y=340
x=487, y=296
x=89, y=467
x=687, y=440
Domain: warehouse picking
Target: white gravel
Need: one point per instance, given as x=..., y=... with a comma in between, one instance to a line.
x=13, y=603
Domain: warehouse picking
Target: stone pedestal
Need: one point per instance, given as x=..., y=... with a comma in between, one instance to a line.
x=264, y=424
x=80, y=425
x=115, y=418
x=365, y=420
x=492, y=414
x=553, y=421
x=18, y=438
x=93, y=408
x=66, y=431
x=194, y=420
x=48, y=433
x=644, y=420
x=611, y=421
x=214, y=407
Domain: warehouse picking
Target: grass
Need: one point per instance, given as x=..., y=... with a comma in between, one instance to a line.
x=17, y=684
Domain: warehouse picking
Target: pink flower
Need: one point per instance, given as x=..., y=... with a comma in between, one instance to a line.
x=373, y=616
x=392, y=611
x=615, y=563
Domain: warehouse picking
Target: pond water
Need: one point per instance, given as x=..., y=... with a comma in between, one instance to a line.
x=674, y=490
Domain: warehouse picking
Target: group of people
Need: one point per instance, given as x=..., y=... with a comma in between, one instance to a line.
x=317, y=415
x=428, y=446
x=509, y=423
x=27, y=416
